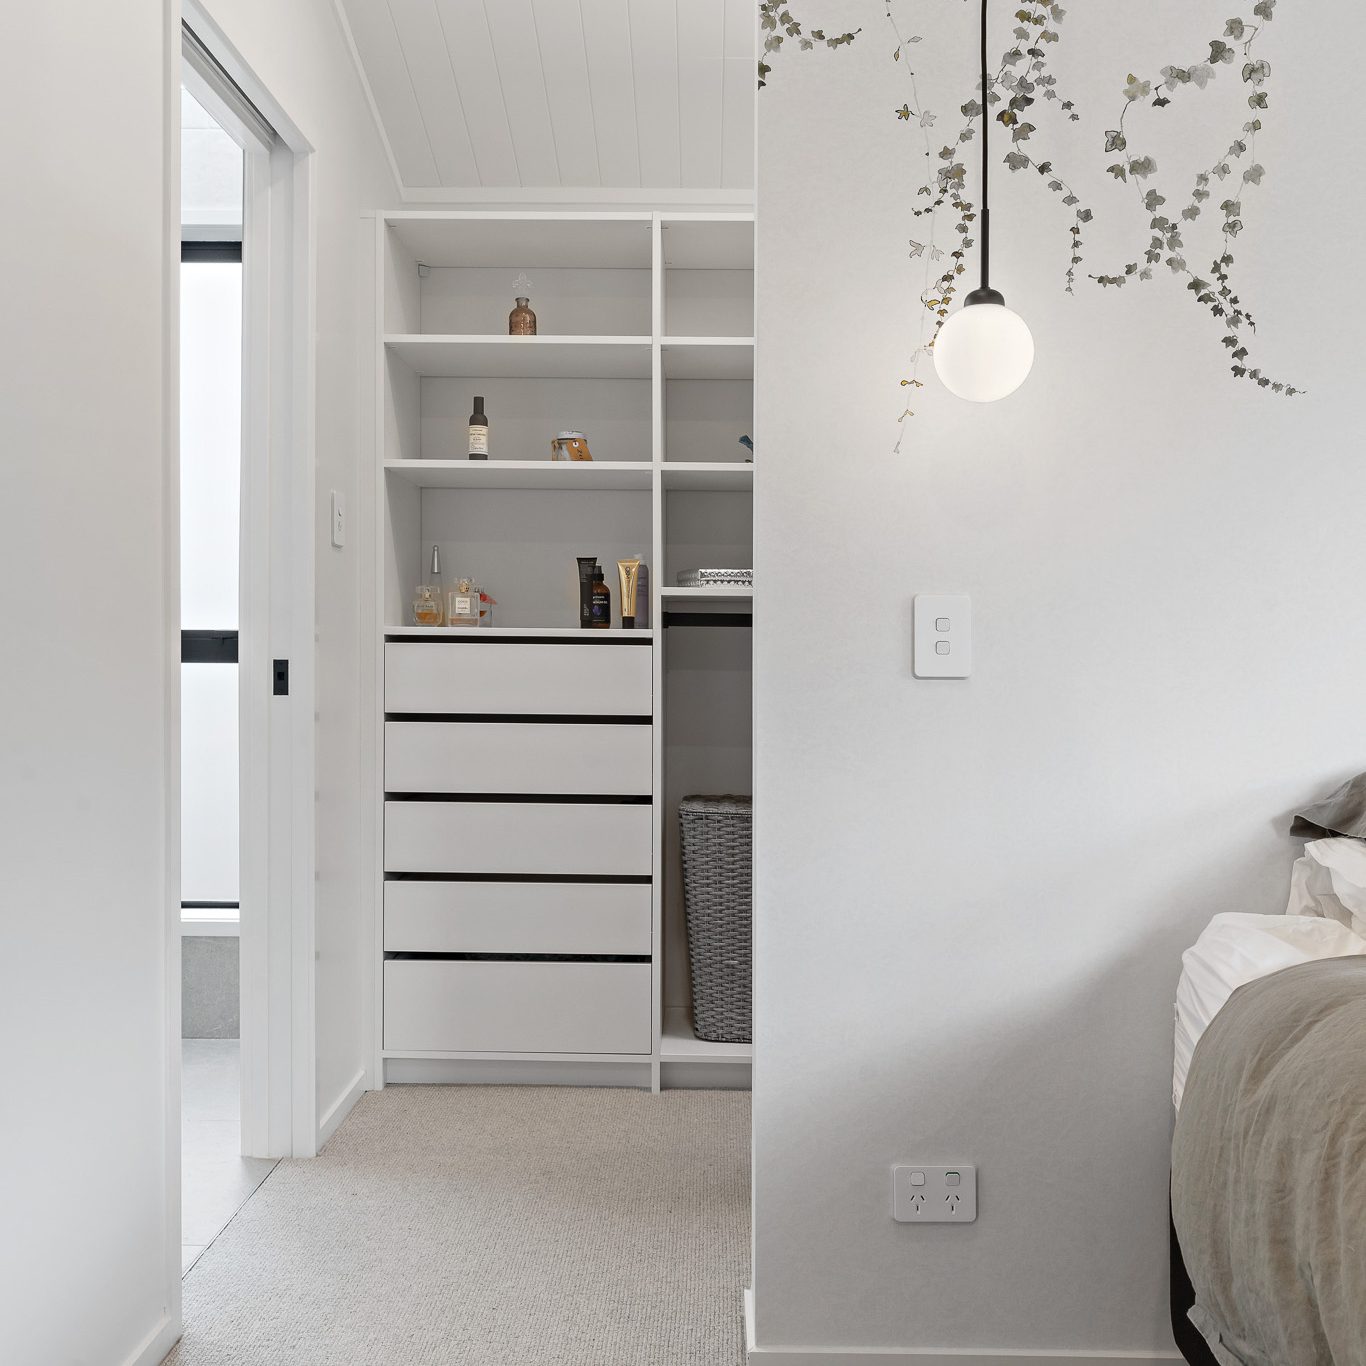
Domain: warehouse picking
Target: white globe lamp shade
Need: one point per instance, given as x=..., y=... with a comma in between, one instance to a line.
x=984, y=352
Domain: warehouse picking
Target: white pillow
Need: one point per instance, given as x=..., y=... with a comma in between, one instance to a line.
x=1236, y=948
x=1330, y=882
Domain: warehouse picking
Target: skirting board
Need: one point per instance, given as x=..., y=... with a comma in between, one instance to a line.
x=934, y=1356
x=156, y=1345
x=487, y=1072
x=341, y=1107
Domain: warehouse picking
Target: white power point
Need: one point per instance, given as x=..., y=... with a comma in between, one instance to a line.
x=934, y=1195
x=943, y=635
x=338, y=520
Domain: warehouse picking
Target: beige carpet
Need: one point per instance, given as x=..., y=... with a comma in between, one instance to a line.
x=491, y=1226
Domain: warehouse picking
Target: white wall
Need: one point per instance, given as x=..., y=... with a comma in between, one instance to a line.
x=972, y=896
x=299, y=52
x=86, y=688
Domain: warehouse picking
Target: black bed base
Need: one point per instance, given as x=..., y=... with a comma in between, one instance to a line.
x=1190, y=1342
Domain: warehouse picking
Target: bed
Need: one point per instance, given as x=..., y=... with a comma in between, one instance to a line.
x=1268, y=1192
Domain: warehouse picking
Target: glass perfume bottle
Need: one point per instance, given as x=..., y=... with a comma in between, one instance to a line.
x=426, y=606
x=462, y=604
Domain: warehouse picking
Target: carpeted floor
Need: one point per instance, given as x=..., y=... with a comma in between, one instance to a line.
x=491, y=1226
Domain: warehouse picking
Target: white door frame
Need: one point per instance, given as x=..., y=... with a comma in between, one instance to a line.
x=276, y=732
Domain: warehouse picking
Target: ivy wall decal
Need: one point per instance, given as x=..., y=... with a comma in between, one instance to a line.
x=943, y=228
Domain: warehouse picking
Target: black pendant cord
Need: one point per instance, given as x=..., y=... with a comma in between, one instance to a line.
x=986, y=127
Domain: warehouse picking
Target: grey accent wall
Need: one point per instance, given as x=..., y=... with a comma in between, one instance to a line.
x=209, y=986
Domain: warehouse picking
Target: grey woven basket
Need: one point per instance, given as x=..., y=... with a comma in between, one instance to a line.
x=717, y=837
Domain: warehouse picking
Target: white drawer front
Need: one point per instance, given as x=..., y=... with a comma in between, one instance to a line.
x=588, y=759
x=579, y=838
x=499, y=677
x=435, y=1006
x=517, y=917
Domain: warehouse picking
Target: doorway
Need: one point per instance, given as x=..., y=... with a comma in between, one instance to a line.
x=246, y=843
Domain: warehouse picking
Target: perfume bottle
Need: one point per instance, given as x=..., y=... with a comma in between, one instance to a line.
x=479, y=431
x=600, y=612
x=434, y=579
x=521, y=321
x=426, y=606
x=462, y=604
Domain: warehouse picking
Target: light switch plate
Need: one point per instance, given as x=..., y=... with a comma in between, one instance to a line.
x=942, y=635
x=338, y=520
x=934, y=1195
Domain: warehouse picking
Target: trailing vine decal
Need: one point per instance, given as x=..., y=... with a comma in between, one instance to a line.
x=1022, y=78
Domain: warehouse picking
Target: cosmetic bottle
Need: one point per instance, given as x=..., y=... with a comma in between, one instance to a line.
x=462, y=604
x=587, y=564
x=642, y=591
x=438, y=588
x=479, y=431
x=601, y=619
x=628, y=572
x=426, y=606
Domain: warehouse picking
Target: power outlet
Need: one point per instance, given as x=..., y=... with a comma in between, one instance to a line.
x=934, y=1195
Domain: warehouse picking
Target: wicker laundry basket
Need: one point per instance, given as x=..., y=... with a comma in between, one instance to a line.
x=717, y=901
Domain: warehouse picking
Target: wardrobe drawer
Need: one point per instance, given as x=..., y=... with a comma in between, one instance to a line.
x=588, y=759
x=517, y=917
x=499, y=677
x=594, y=839
x=436, y=1006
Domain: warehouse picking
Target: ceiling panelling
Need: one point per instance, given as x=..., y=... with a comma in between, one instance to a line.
x=542, y=94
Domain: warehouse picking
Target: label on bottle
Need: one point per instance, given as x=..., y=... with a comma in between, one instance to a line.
x=462, y=606
x=479, y=440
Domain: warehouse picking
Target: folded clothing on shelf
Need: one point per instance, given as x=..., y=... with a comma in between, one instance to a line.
x=716, y=578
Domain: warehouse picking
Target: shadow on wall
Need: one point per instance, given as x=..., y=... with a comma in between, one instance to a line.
x=210, y=995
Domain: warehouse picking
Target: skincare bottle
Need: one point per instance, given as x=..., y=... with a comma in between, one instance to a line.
x=479, y=431
x=602, y=603
x=426, y=606
x=463, y=604
x=642, y=591
x=438, y=588
x=587, y=564
x=628, y=571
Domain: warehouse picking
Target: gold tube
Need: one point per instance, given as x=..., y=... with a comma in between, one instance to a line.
x=629, y=572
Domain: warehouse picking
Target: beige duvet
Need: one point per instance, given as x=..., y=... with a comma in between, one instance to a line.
x=1269, y=1170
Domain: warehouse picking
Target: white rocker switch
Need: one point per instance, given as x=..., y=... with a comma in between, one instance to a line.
x=942, y=635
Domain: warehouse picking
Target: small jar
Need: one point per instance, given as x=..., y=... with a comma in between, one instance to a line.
x=570, y=446
x=522, y=321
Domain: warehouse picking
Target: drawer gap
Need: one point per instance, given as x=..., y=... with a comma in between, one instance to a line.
x=535, y=798
x=406, y=956
x=517, y=718
x=640, y=880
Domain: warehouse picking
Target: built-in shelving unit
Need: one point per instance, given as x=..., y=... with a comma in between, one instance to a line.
x=529, y=912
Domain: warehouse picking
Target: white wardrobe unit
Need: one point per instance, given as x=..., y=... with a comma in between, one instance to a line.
x=530, y=912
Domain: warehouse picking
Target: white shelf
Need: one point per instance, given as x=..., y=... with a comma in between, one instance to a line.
x=528, y=241
x=708, y=357
x=492, y=357
x=615, y=633
x=708, y=241
x=680, y=1044
x=709, y=476
x=708, y=594
x=522, y=474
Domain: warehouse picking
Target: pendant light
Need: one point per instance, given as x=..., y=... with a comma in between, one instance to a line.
x=984, y=351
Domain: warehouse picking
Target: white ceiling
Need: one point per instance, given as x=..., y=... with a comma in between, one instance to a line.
x=563, y=93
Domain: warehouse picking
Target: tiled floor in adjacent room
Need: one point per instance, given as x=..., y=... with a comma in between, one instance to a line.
x=216, y=1180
